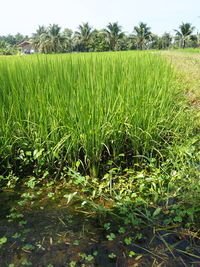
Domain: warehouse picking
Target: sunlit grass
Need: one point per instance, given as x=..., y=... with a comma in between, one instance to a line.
x=80, y=106
x=187, y=50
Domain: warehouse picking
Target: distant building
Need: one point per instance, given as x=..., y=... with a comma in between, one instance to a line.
x=27, y=47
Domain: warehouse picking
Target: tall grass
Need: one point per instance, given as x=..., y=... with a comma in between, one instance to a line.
x=86, y=105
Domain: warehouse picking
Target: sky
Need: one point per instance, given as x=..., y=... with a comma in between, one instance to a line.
x=161, y=15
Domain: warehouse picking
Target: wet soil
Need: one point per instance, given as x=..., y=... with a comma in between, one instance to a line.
x=53, y=233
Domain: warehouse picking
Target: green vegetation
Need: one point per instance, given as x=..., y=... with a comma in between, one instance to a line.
x=86, y=109
x=188, y=50
x=99, y=159
x=8, y=43
x=185, y=33
x=142, y=35
x=52, y=39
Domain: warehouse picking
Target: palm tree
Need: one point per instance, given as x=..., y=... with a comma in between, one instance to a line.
x=44, y=44
x=142, y=35
x=67, y=40
x=55, y=38
x=113, y=33
x=166, y=40
x=41, y=29
x=185, y=33
x=198, y=39
x=161, y=42
x=83, y=37
x=37, y=35
x=48, y=40
x=98, y=41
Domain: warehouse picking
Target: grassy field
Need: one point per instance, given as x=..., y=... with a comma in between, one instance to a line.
x=188, y=50
x=187, y=65
x=88, y=107
x=100, y=160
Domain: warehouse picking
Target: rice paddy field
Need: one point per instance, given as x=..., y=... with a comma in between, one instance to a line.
x=99, y=158
x=89, y=107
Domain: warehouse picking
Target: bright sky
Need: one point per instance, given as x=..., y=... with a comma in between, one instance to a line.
x=161, y=15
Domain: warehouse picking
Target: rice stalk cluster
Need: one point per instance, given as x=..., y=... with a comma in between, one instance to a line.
x=81, y=106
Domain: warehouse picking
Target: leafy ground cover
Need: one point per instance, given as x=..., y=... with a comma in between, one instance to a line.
x=139, y=218
x=141, y=212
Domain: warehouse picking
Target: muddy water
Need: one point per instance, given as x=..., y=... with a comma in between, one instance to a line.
x=49, y=232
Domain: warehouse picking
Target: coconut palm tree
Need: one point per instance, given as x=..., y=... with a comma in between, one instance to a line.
x=184, y=33
x=44, y=44
x=55, y=38
x=161, y=42
x=83, y=37
x=99, y=42
x=48, y=40
x=113, y=33
x=141, y=35
x=41, y=29
x=166, y=40
x=67, y=40
x=37, y=36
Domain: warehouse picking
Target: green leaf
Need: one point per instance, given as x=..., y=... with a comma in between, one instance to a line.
x=28, y=247
x=37, y=154
x=106, y=226
x=31, y=182
x=70, y=197
x=26, y=263
x=28, y=153
x=121, y=230
x=78, y=164
x=111, y=236
x=3, y=240
x=128, y=240
x=95, y=253
x=178, y=219
x=112, y=256
x=16, y=235
x=76, y=242
x=131, y=254
x=156, y=212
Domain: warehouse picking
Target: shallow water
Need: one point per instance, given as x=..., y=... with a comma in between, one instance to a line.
x=57, y=234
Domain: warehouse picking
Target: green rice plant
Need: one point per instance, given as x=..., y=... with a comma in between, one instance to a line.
x=83, y=106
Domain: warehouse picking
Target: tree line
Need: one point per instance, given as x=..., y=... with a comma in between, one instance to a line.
x=51, y=39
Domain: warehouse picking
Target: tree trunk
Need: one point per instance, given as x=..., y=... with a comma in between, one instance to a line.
x=184, y=43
